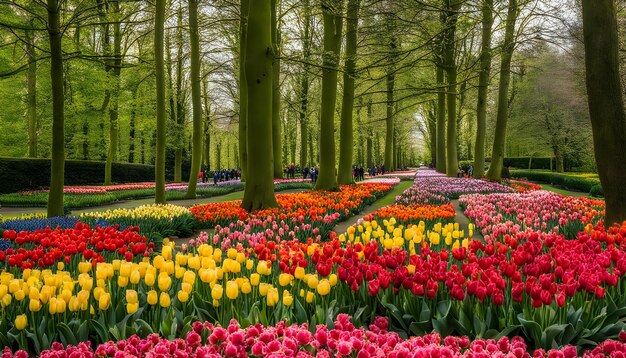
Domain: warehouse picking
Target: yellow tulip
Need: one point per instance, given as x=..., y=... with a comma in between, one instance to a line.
x=131, y=296
x=232, y=290
x=60, y=306
x=135, y=277
x=34, y=305
x=249, y=264
x=263, y=288
x=272, y=297
x=152, y=297
x=19, y=295
x=164, y=300
x=52, y=305
x=84, y=267
x=261, y=268
x=186, y=287
x=125, y=269
x=166, y=252
x=217, y=292
x=254, y=279
x=332, y=279
x=310, y=297
x=189, y=277
x=149, y=279
x=14, y=285
x=122, y=281
x=299, y=273
x=73, y=304
x=287, y=298
x=312, y=281
x=164, y=282
x=132, y=308
x=183, y=296
x=104, y=301
x=240, y=257
x=246, y=288
x=323, y=288
x=231, y=253
x=21, y=322
x=284, y=279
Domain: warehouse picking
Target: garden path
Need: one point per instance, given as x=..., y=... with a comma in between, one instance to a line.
x=464, y=220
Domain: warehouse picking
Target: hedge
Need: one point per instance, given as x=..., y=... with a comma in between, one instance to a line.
x=565, y=180
x=18, y=174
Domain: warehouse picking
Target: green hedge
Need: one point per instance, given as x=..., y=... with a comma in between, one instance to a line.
x=19, y=174
x=573, y=182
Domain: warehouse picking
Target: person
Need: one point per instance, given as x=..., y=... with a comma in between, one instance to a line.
x=215, y=177
x=470, y=170
x=305, y=173
x=200, y=177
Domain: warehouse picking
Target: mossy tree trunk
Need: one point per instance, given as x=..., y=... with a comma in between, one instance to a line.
x=346, y=145
x=259, y=189
x=180, y=100
x=391, y=76
x=243, y=89
x=483, y=89
x=57, y=170
x=115, y=70
x=497, y=154
x=206, y=155
x=332, y=13
x=196, y=99
x=276, y=122
x=606, y=106
x=159, y=167
x=440, y=138
x=452, y=16
x=304, y=85
x=31, y=94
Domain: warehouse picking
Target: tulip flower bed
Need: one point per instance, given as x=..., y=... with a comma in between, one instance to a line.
x=154, y=221
x=314, y=206
x=413, y=214
x=542, y=211
x=381, y=180
x=343, y=339
x=522, y=186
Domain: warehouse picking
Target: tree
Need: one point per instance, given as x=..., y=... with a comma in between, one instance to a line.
x=440, y=137
x=180, y=100
x=452, y=15
x=276, y=124
x=259, y=189
x=243, y=89
x=606, y=106
x=304, y=84
x=159, y=64
x=391, y=73
x=344, y=174
x=196, y=99
x=483, y=89
x=333, y=20
x=114, y=67
x=31, y=93
x=497, y=154
x=57, y=169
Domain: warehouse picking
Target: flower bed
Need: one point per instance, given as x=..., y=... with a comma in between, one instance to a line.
x=412, y=214
x=343, y=339
x=499, y=214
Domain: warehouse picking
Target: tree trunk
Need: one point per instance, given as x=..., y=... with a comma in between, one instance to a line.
x=180, y=101
x=370, y=136
x=206, y=155
x=243, y=89
x=133, y=120
x=159, y=168
x=115, y=71
x=311, y=154
x=389, y=157
x=276, y=123
x=346, y=146
x=57, y=170
x=332, y=14
x=196, y=100
x=497, y=156
x=31, y=94
x=606, y=107
x=452, y=15
x=483, y=89
x=440, y=158
x=259, y=189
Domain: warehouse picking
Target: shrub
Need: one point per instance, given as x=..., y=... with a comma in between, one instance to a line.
x=569, y=181
x=596, y=191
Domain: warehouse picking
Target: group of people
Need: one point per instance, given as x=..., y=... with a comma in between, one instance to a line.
x=290, y=170
x=358, y=172
x=312, y=173
x=218, y=175
x=375, y=170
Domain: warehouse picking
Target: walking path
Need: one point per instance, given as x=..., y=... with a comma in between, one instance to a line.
x=464, y=221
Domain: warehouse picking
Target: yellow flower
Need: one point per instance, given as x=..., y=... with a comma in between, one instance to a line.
x=310, y=297
x=150, y=278
x=104, y=301
x=254, y=279
x=19, y=295
x=232, y=290
x=152, y=297
x=246, y=288
x=284, y=279
x=131, y=296
x=262, y=268
x=166, y=252
x=21, y=322
x=312, y=281
x=217, y=292
x=299, y=273
x=272, y=297
x=132, y=308
x=34, y=305
x=263, y=288
x=135, y=277
x=125, y=269
x=164, y=300
x=122, y=281
x=332, y=279
x=183, y=296
x=189, y=277
x=164, y=282
x=323, y=288
x=186, y=287
x=287, y=298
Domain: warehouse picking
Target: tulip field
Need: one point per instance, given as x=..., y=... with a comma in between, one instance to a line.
x=534, y=274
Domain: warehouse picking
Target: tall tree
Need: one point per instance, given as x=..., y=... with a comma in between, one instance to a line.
x=344, y=174
x=276, y=122
x=440, y=137
x=57, y=169
x=391, y=76
x=196, y=99
x=606, y=106
x=332, y=13
x=114, y=68
x=206, y=155
x=243, y=89
x=259, y=189
x=497, y=154
x=483, y=89
x=304, y=85
x=159, y=64
x=31, y=93
x=452, y=15
x=180, y=100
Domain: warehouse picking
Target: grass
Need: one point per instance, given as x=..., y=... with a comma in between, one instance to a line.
x=562, y=191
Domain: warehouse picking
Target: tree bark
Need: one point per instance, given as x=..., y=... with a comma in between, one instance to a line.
x=115, y=70
x=276, y=122
x=483, y=89
x=196, y=100
x=606, y=106
x=243, y=89
x=332, y=14
x=497, y=155
x=133, y=120
x=206, y=155
x=304, y=86
x=346, y=146
x=180, y=101
x=440, y=157
x=259, y=189
x=370, y=135
x=159, y=168
x=452, y=15
x=31, y=94
x=57, y=171
x=389, y=156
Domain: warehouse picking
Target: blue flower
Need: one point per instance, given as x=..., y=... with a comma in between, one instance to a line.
x=39, y=224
